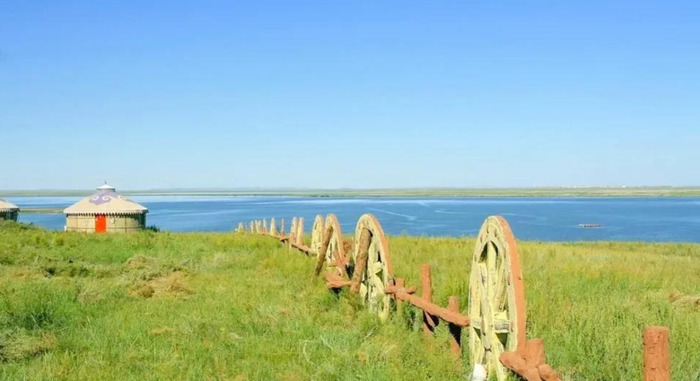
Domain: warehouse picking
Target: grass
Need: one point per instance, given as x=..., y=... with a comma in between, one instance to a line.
x=641, y=191
x=240, y=307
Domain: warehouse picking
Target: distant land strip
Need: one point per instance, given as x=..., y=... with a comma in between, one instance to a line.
x=408, y=192
x=42, y=210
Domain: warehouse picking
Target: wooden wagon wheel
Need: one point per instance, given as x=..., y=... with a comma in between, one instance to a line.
x=299, y=239
x=334, y=255
x=317, y=234
x=273, y=227
x=496, y=297
x=292, y=231
x=372, y=259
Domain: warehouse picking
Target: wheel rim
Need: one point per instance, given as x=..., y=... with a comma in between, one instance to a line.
x=317, y=235
x=273, y=227
x=300, y=231
x=496, y=297
x=377, y=275
x=334, y=253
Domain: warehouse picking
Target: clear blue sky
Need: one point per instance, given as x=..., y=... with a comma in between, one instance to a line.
x=362, y=94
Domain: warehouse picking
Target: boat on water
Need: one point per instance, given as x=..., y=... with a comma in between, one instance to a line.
x=590, y=226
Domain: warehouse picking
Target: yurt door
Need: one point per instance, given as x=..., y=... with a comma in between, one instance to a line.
x=100, y=223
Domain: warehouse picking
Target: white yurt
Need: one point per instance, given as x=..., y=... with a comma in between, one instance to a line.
x=8, y=211
x=105, y=211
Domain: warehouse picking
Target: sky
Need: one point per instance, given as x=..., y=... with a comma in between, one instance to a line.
x=348, y=94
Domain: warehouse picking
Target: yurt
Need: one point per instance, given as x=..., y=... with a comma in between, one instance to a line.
x=105, y=212
x=8, y=211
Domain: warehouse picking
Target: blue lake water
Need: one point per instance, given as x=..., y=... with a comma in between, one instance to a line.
x=547, y=219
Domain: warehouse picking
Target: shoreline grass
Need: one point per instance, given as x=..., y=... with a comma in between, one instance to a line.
x=238, y=306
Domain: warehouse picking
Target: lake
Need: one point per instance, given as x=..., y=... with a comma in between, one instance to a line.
x=546, y=219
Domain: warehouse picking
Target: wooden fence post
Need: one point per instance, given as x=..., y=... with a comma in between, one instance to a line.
x=455, y=331
x=657, y=358
x=426, y=282
x=400, y=283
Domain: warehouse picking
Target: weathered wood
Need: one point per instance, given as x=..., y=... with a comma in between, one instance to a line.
x=455, y=330
x=321, y=256
x=657, y=358
x=361, y=261
x=400, y=283
x=534, y=353
x=292, y=233
x=299, y=239
x=429, y=322
x=529, y=362
x=393, y=289
x=433, y=309
x=273, y=227
x=335, y=281
x=547, y=373
x=301, y=247
x=516, y=362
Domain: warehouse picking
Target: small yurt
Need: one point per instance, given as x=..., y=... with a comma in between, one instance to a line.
x=105, y=212
x=8, y=211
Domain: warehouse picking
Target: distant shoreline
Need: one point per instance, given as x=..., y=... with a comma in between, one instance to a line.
x=42, y=210
x=417, y=192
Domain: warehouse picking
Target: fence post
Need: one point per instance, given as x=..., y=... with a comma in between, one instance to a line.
x=455, y=331
x=425, y=278
x=400, y=283
x=657, y=359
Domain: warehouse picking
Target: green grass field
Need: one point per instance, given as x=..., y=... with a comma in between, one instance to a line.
x=164, y=306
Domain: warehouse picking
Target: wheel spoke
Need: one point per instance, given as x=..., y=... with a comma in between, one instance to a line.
x=363, y=292
x=491, y=270
x=376, y=268
x=485, y=313
x=495, y=354
x=502, y=326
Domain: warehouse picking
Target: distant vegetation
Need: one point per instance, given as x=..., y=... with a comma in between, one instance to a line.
x=42, y=210
x=236, y=307
x=408, y=192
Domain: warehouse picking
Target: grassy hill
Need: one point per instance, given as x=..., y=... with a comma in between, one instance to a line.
x=199, y=306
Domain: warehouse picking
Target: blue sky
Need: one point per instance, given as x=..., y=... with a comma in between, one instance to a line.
x=359, y=94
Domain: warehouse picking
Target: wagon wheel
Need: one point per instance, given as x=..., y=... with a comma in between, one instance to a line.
x=377, y=273
x=335, y=255
x=300, y=231
x=273, y=227
x=292, y=231
x=317, y=234
x=496, y=297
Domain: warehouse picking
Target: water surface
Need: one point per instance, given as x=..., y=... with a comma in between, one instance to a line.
x=547, y=219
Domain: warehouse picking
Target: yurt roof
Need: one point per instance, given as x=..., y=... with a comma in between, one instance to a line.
x=7, y=206
x=106, y=201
